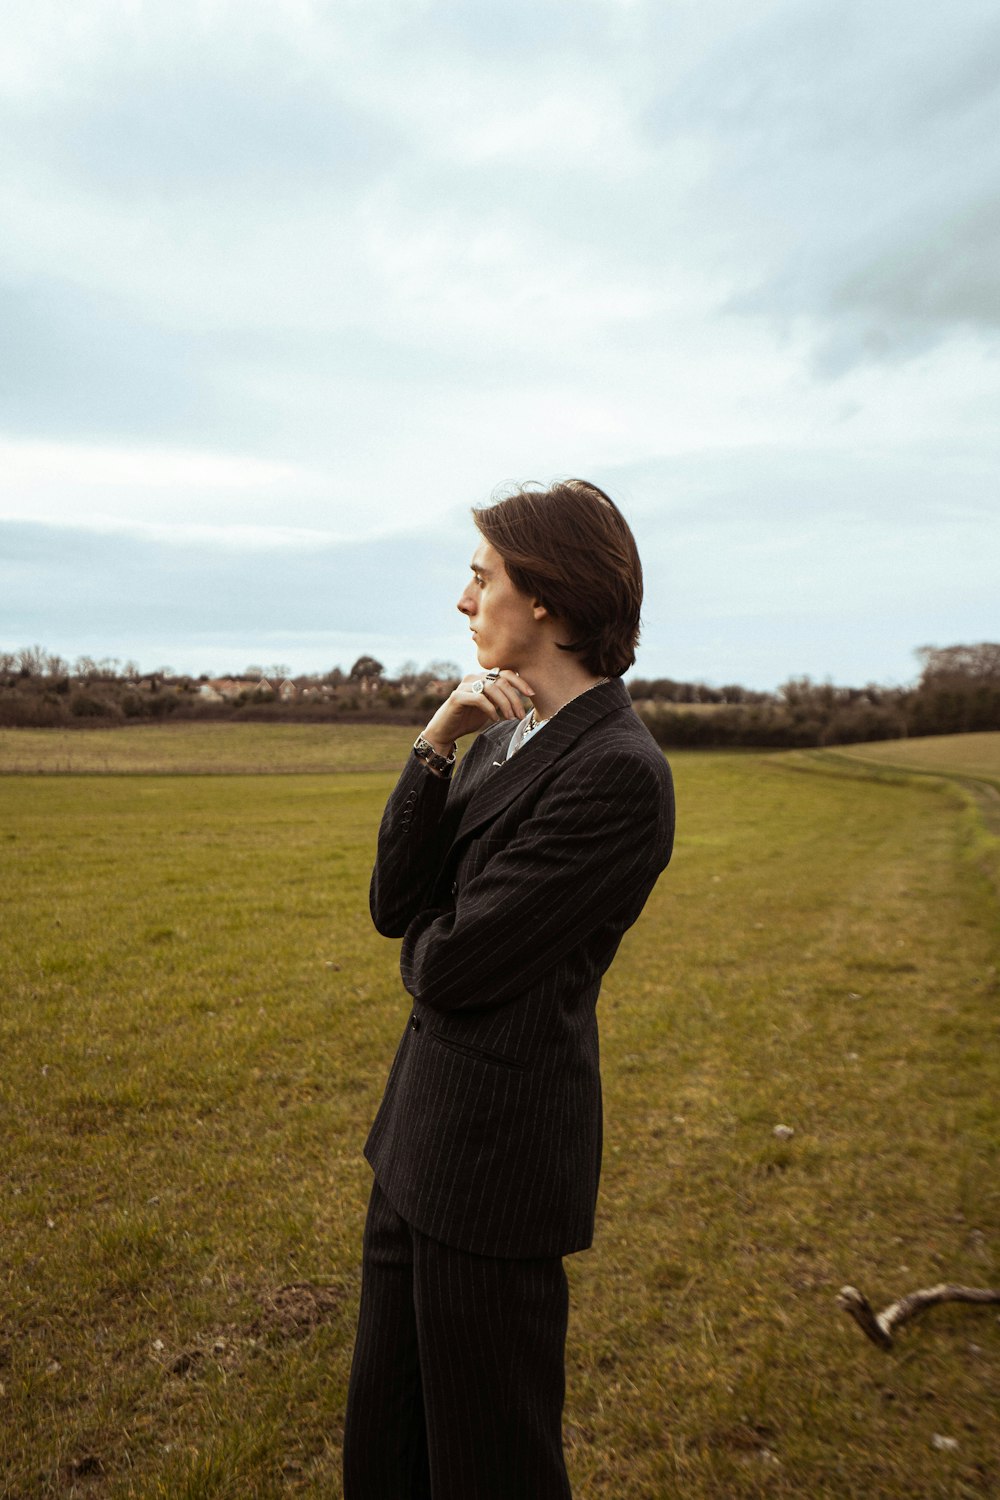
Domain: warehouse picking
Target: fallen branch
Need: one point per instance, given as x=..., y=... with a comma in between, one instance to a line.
x=879, y=1326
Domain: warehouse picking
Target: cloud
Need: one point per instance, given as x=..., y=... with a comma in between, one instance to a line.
x=856, y=148
x=764, y=563
x=946, y=275
x=759, y=564
x=79, y=590
x=78, y=362
x=388, y=254
x=265, y=129
x=166, y=491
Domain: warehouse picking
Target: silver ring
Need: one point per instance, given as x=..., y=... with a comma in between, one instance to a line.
x=477, y=686
x=493, y=676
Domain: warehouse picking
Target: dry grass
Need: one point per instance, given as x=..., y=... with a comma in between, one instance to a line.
x=656, y=704
x=209, y=749
x=975, y=755
x=195, y=1025
x=969, y=765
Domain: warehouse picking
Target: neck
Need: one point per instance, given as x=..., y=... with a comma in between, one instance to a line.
x=555, y=684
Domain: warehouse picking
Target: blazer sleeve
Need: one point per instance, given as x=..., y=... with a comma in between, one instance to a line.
x=411, y=836
x=591, y=851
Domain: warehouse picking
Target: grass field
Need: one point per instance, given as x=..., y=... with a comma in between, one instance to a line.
x=969, y=763
x=204, y=749
x=196, y=1022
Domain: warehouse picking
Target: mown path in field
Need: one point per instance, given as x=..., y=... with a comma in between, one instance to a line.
x=196, y=1020
x=970, y=760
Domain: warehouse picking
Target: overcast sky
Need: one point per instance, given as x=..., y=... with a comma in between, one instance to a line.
x=285, y=287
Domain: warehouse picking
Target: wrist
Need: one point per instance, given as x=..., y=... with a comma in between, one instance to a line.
x=439, y=743
x=433, y=758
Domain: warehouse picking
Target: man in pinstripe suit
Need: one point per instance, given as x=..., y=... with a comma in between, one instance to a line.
x=511, y=884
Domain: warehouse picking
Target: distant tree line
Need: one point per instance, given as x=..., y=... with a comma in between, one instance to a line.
x=958, y=690
x=41, y=689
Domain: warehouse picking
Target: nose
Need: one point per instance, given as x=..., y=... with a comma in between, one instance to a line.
x=465, y=605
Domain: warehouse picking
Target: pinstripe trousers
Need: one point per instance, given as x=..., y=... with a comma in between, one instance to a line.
x=457, y=1382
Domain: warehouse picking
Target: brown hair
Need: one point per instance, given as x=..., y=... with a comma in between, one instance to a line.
x=570, y=548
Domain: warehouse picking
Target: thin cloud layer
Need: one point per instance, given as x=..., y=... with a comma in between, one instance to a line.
x=387, y=255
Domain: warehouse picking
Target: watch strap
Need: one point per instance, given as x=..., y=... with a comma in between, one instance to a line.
x=425, y=751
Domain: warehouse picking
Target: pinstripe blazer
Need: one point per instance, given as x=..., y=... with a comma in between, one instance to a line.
x=511, y=887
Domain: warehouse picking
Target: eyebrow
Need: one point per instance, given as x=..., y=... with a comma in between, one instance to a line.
x=475, y=567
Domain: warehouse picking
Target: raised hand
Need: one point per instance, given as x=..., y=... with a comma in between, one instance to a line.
x=481, y=698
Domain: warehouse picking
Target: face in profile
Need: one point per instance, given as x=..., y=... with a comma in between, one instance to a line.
x=505, y=624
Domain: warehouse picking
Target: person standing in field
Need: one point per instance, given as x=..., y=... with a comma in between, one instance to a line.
x=511, y=882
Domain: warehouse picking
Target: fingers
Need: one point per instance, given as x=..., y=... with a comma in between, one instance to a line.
x=473, y=693
x=498, y=697
x=505, y=692
x=510, y=675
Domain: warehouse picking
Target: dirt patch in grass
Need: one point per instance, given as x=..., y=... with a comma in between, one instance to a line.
x=293, y=1310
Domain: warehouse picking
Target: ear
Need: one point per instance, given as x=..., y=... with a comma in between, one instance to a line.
x=539, y=611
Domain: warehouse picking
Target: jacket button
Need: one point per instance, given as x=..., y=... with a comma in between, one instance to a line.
x=454, y=887
x=414, y=1023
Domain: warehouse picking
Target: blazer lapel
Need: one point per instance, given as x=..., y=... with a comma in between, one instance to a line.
x=496, y=786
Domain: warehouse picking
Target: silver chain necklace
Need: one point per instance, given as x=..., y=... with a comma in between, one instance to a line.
x=533, y=722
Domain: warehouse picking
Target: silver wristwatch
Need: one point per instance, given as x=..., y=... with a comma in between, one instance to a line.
x=424, y=750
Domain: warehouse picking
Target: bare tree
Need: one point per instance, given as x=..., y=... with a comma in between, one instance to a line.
x=444, y=671
x=32, y=660
x=981, y=661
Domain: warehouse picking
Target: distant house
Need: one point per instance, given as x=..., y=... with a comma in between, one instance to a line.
x=224, y=689
x=285, y=689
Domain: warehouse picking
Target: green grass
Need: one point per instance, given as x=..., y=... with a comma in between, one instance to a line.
x=195, y=1026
